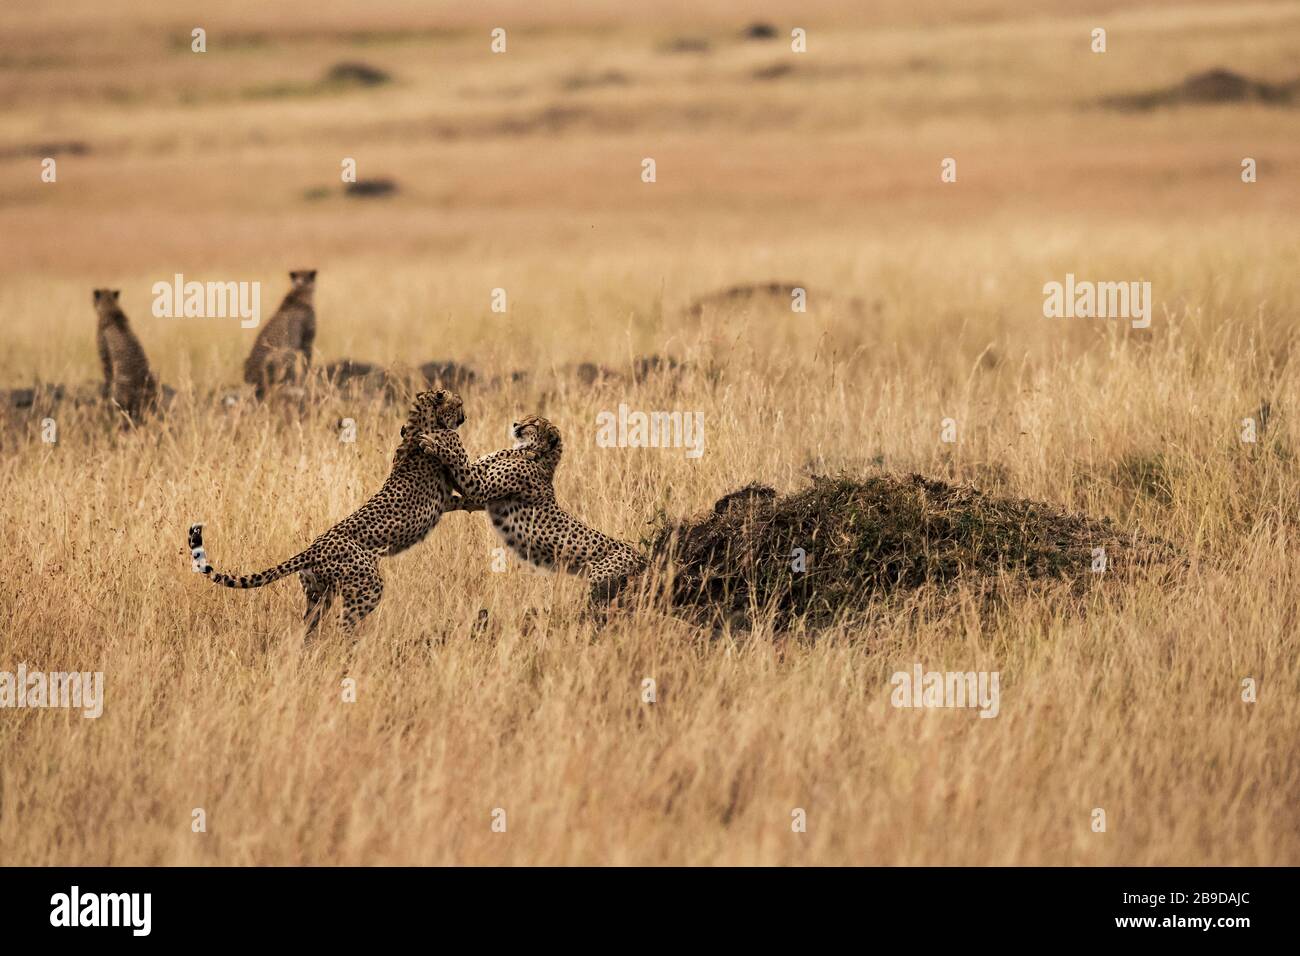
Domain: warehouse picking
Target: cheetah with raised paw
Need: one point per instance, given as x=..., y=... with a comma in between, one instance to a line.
x=516, y=488
x=129, y=383
x=344, y=561
x=281, y=353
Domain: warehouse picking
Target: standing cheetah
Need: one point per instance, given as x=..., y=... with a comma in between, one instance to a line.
x=516, y=488
x=345, y=559
x=128, y=381
x=282, y=350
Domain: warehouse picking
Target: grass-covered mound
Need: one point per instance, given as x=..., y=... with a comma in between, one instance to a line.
x=841, y=547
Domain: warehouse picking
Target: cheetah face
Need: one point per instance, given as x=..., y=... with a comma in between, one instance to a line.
x=302, y=278
x=106, y=299
x=535, y=433
x=433, y=410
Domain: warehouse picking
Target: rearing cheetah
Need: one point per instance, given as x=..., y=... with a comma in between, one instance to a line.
x=515, y=487
x=345, y=559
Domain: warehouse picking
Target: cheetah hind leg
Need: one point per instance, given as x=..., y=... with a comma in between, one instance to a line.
x=320, y=595
x=361, y=591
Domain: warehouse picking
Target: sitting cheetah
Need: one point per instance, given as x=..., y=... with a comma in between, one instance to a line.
x=128, y=381
x=515, y=487
x=345, y=559
x=282, y=350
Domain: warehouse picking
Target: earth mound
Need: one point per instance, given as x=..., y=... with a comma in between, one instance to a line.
x=1211, y=86
x=843, y=547
x=746, y=296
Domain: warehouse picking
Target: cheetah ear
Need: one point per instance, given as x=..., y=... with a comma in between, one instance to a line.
x=115, y=293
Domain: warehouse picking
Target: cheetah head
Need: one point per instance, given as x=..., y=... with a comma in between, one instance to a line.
x=106, y=300
x=303, y=278
x=432, y=410
x=539, y=436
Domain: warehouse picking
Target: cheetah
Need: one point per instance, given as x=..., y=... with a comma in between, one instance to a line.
x=282, y=351
x=128, y=381
x=344, y=560
x=515, y=487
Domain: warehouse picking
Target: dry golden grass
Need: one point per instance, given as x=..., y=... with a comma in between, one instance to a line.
x=924, y=303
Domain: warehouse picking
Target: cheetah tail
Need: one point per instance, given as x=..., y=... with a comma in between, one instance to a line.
x=297, y=563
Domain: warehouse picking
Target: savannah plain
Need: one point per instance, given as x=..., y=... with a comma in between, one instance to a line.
x=522, y=171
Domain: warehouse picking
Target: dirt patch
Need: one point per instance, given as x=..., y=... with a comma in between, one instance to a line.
x=685, y=45
x=748, y=295
x=40, y=396
x=72, y=147
x=842, y=548
x=592, y=81
x=773, y=71
x=1211, y=86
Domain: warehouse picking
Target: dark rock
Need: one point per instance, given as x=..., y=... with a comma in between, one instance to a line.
x=589, y=373
x=450, y=375
x=356, y=74
x=649, y=365
x=370, y=188
x=340, y=372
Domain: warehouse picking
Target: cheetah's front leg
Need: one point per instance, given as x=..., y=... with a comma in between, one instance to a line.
x=488, y=479
x=611, y=573
x=463, y=503
x=445, y=446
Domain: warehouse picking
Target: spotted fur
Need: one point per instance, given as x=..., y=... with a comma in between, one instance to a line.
x=516, y=488
x=129, y=383
x=281, y=352
x=344, y=561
